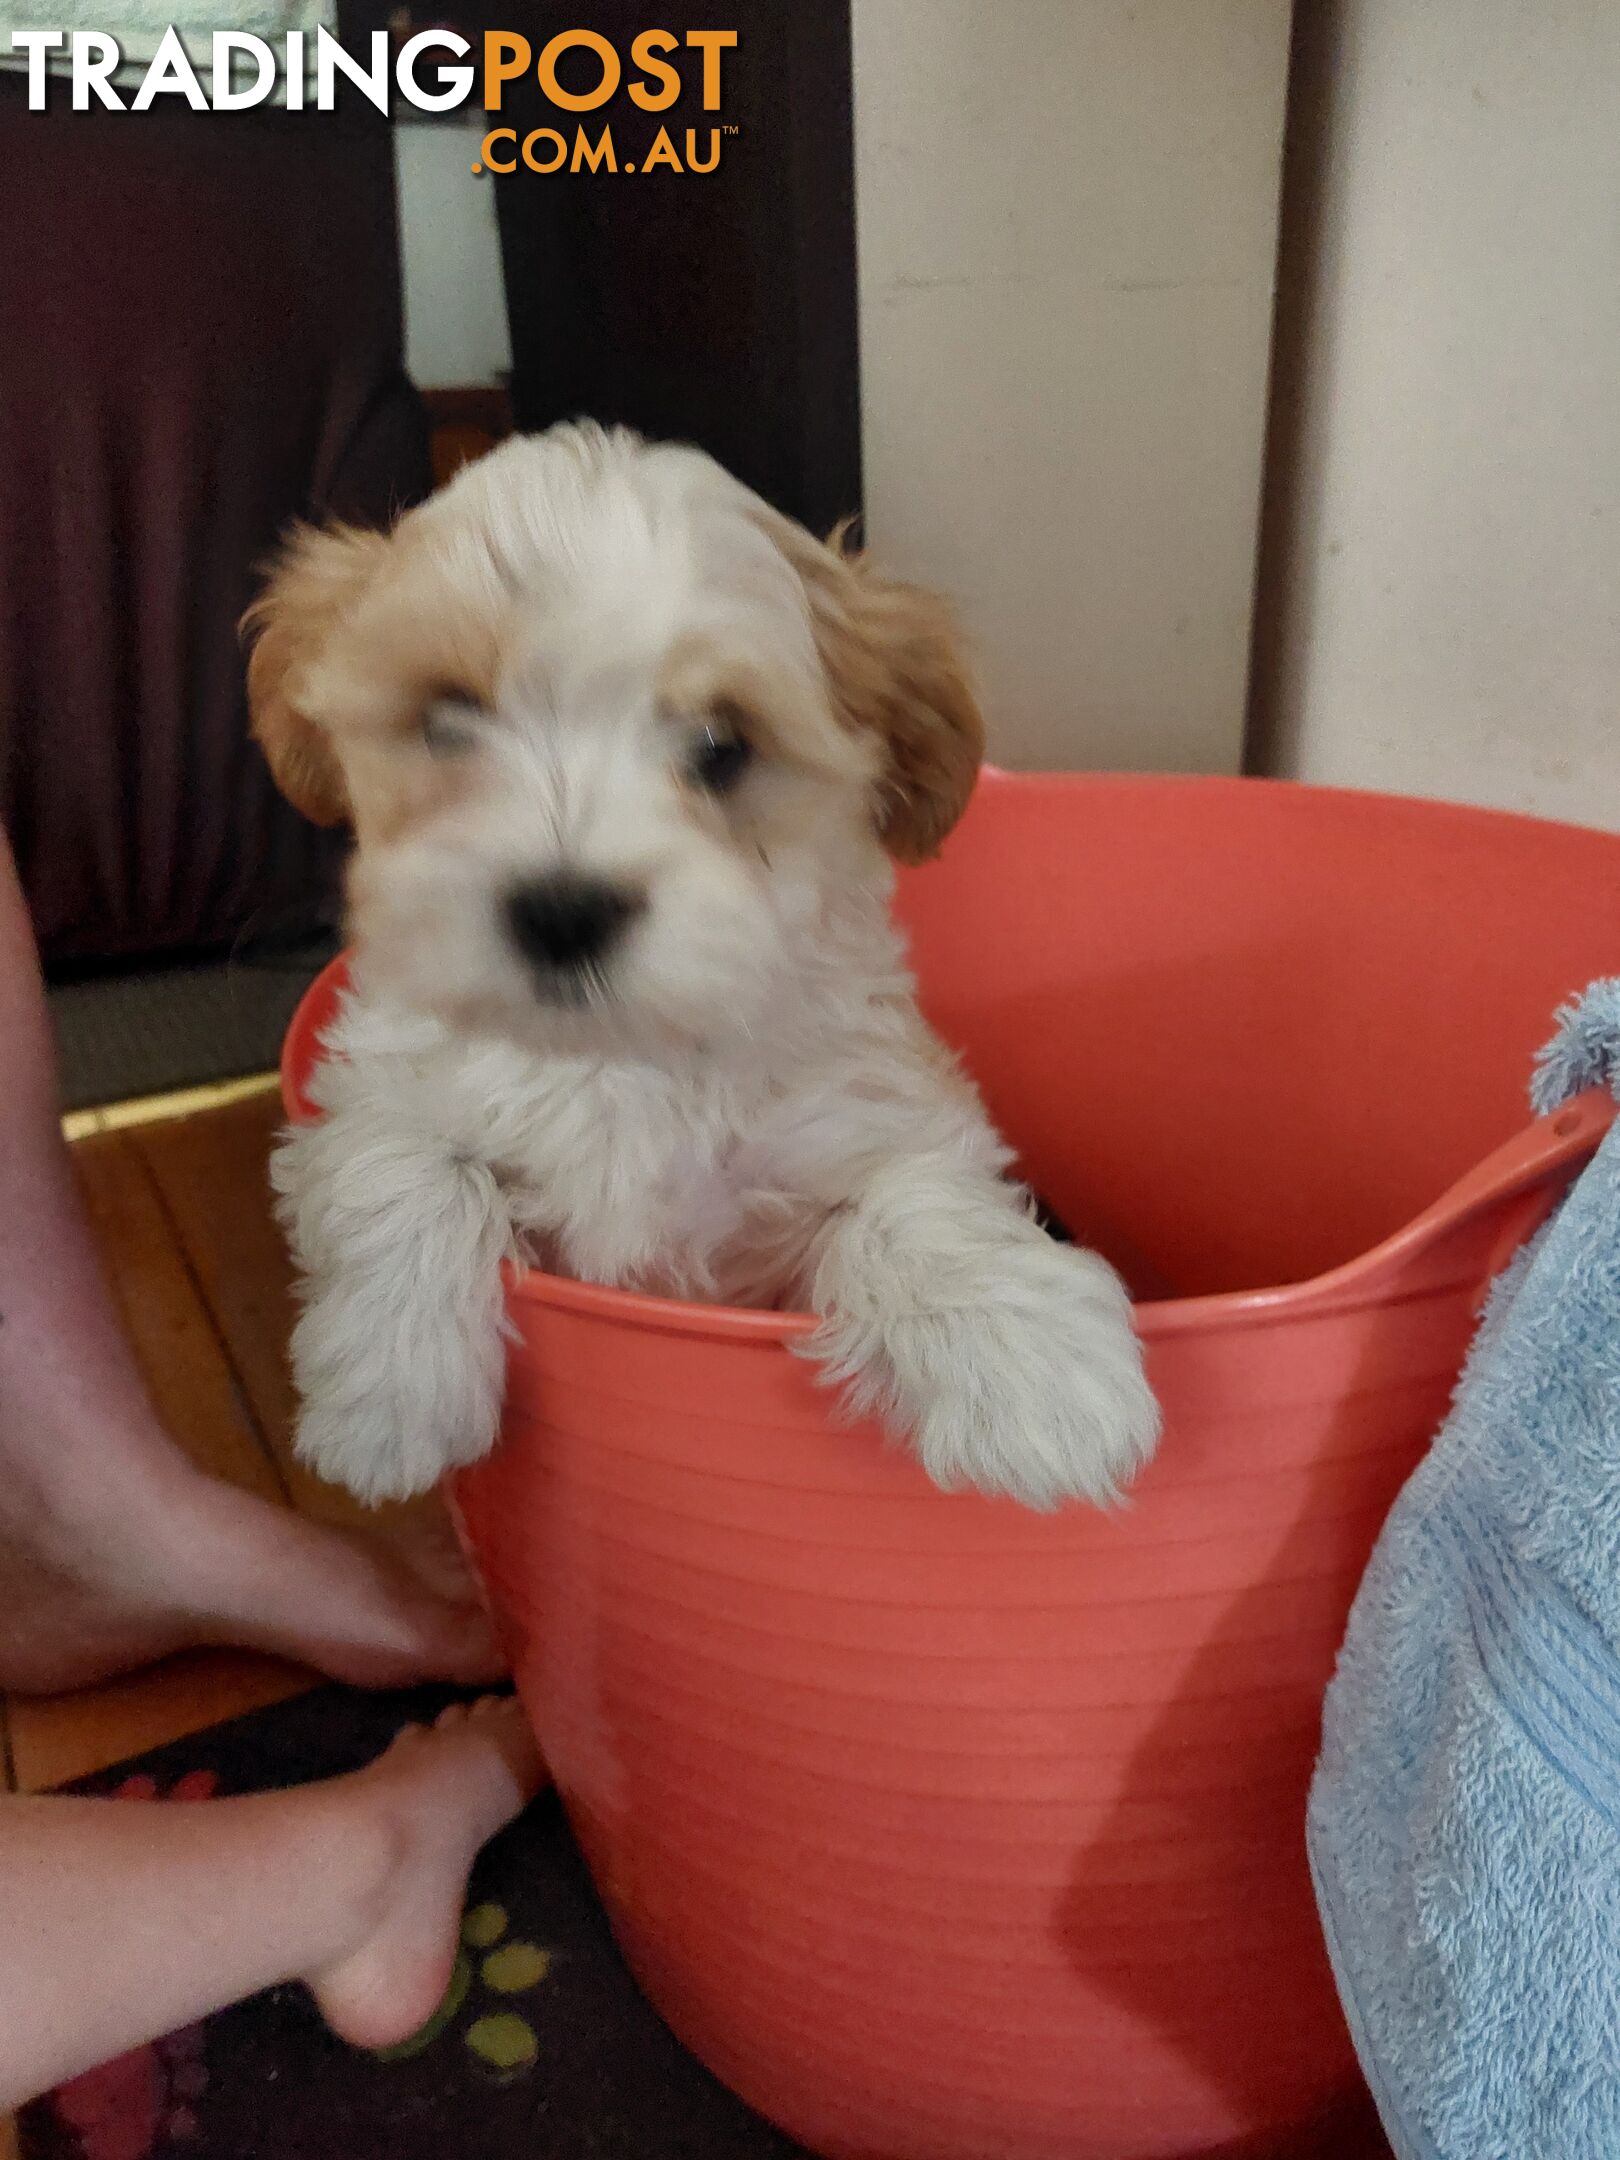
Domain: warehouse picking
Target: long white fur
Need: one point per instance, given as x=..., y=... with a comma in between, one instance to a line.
x=753, y=1112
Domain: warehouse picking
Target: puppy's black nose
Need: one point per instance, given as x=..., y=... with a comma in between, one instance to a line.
x=564, y=922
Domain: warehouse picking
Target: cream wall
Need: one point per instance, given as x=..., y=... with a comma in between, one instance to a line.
x=1067, y=224
x=1441, y=596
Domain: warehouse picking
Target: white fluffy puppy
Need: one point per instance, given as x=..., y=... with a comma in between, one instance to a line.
x=627, y=756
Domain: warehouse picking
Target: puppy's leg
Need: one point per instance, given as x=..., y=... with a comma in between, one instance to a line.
x=399, y=1352
x=1008, y=1361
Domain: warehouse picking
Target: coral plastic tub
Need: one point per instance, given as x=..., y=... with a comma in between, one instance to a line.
x=946, y=1831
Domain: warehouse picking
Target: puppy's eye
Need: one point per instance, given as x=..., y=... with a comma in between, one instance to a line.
x=450, y=726
x=719, y=757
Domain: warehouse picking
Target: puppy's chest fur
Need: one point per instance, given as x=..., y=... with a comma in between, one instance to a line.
x=700, y=1178
x=677, y=1184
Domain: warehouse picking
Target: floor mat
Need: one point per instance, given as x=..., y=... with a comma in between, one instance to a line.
x=120, y=1035
x=544, y=2047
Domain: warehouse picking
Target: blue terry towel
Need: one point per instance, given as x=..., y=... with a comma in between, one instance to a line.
x=1465, y=1820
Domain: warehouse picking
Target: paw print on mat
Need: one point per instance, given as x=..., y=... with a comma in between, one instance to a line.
x=502, y=2041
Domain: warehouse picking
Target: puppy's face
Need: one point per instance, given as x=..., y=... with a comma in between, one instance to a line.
x=612, y=735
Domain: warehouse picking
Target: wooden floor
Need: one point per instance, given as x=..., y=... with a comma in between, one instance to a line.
x=182, y=1215
x=181, y=1210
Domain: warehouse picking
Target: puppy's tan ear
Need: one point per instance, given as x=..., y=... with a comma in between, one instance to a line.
x=897, y=662
x=318, y=575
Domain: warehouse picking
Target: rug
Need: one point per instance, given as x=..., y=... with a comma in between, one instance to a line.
x=544, y=2047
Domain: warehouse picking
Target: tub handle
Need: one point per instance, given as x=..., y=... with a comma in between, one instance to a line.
x=1534, y=1165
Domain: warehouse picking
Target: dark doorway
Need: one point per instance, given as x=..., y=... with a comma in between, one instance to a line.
x=718, y=307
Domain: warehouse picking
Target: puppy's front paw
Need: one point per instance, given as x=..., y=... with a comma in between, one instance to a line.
x=378, y=1450
x=386, y=1414
x=1036, y=1390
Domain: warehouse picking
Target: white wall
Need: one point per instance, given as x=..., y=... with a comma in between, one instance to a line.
x=1067, y=218
x=1441, y=599
x=455, y=307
